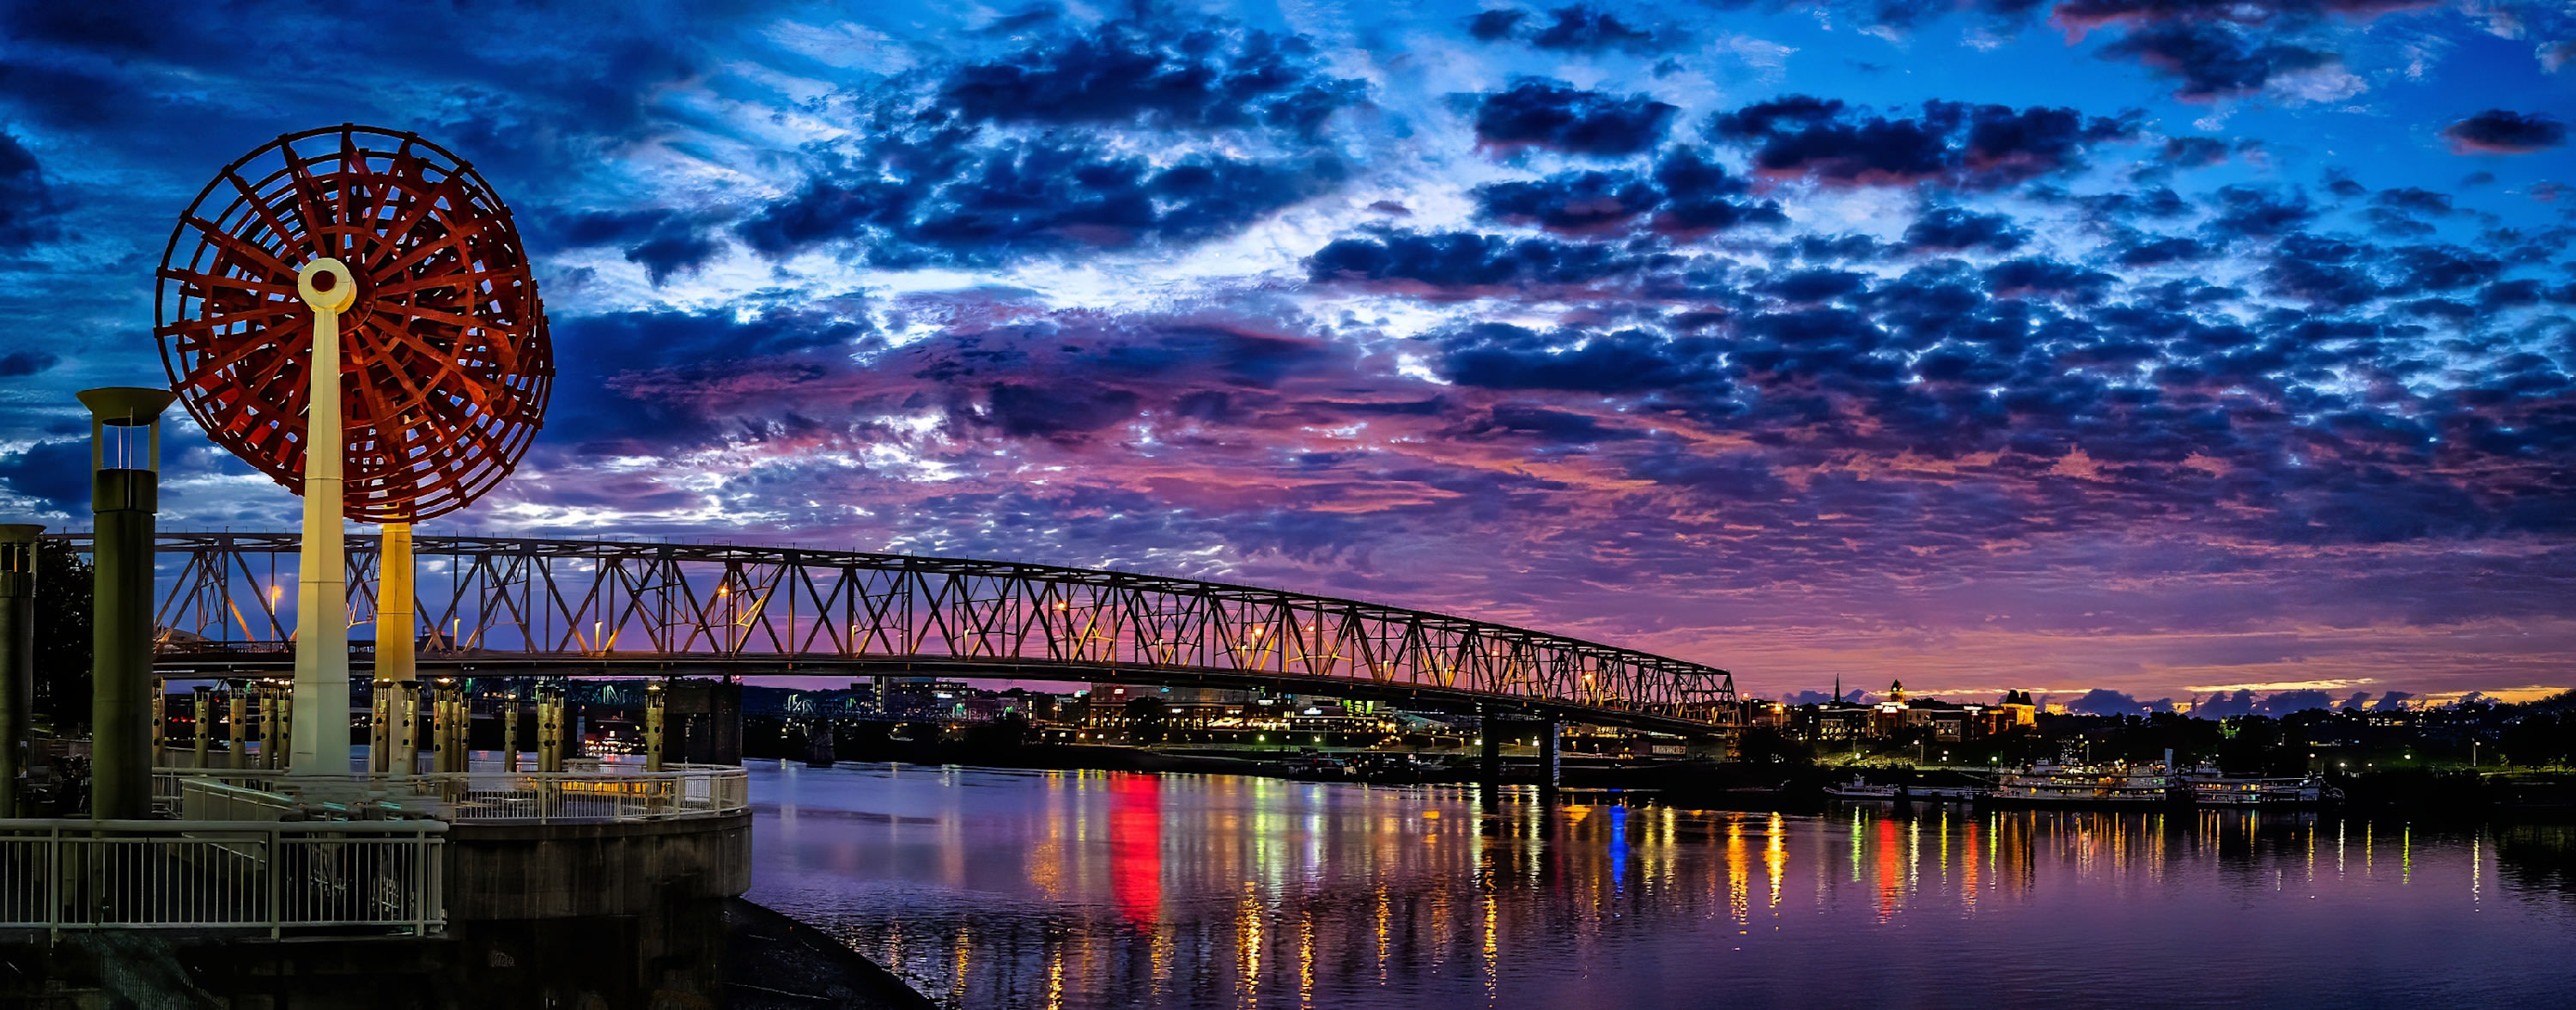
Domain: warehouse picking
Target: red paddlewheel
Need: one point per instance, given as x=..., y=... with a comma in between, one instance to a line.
x=444, y=364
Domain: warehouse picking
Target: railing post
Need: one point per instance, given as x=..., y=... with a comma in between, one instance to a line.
x=54, y=883
x=276, y=885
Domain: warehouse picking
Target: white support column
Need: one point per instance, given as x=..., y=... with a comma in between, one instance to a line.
x=322, y=577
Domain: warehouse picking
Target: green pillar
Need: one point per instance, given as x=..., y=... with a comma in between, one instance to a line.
x=17, y=655
x=123, y=499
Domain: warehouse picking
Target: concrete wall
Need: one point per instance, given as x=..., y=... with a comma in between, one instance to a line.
x=554, y=871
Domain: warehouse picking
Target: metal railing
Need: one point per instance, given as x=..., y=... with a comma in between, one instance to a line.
x=222, y=875
x=480, y=796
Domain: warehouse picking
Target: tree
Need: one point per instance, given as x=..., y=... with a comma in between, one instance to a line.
x=64, y=581
x=1146, y=719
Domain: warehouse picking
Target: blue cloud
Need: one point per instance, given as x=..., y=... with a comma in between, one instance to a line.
x=1552, y=114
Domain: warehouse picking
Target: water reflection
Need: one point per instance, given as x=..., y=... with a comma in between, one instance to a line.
x=1074, y=890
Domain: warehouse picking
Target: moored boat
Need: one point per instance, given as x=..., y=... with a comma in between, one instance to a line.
x=1861, y=789
x=2211, y=788
x=2052, y=784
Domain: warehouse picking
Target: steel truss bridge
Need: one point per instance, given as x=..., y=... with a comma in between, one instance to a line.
x=505, y=607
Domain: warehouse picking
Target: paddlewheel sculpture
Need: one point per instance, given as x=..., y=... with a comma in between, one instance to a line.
x=444, y=362
x=349, y=310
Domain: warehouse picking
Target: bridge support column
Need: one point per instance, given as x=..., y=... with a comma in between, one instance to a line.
x=124, y=501
x=17, y=655
x=1489, y=771
x=1549, y=767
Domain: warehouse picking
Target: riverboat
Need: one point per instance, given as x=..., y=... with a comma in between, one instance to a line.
x=2210, y=788
x=2052, y=784
x=1861, y=789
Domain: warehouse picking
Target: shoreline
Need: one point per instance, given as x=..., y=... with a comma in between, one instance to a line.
x=798, y=966
x=2523, y=797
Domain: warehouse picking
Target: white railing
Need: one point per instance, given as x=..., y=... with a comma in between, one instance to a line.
x=221, y=875
x=487, y=795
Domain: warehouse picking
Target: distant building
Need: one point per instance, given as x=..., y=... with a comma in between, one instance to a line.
x=1898, y=713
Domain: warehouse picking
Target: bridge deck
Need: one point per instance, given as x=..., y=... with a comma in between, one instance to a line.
x=561, y=606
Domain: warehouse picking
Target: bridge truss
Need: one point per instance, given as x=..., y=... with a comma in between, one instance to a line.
x=583, y=607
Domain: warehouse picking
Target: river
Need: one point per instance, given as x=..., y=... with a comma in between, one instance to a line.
x=997, y=888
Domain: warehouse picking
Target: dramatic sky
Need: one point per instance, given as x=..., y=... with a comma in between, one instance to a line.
x=2162, y=347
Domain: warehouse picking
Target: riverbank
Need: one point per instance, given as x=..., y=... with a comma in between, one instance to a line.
x=773, y=962
x=2544, y=796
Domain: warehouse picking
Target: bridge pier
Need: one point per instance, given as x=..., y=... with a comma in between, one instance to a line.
x=1549, y=767
x=1489, y=768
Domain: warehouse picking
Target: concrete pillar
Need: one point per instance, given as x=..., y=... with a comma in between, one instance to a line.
x=1490, y=763
x=550, y=749
x=205, y=720
x=123, y=501
x=1549, y=768
x=17, y=655
x=380, y=724
x=655, y=710
x=409, y=737
x=510, y=733
x=397, y=640
x=160, y=721
x=236, y=729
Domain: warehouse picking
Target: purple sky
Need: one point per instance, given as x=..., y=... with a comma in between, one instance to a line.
x=2157, y=346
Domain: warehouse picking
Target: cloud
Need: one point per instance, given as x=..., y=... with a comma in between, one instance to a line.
x=1537, y=112
x=2213, y=61
x=2102, y=701
x=2194, y=152
x=1157, y=75
x=1686, y=195
x=26, y=204
x=1951, y=229
x=1573, y=201
x=1966, y=146
x=940, y=200
x=1503, y=356
x=2497, y=131
x=937, y=170
x=54, y=473
x=2287, y=702
x=1574, y=28
x=1466, y=260
x=22, y=363
x=665, y=242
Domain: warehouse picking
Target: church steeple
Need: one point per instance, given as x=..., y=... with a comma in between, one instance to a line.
x=1838, y=688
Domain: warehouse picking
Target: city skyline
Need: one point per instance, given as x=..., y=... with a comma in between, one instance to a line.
x=2165, y=349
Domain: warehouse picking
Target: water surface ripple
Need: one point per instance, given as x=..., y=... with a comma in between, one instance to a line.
x=990, y=888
